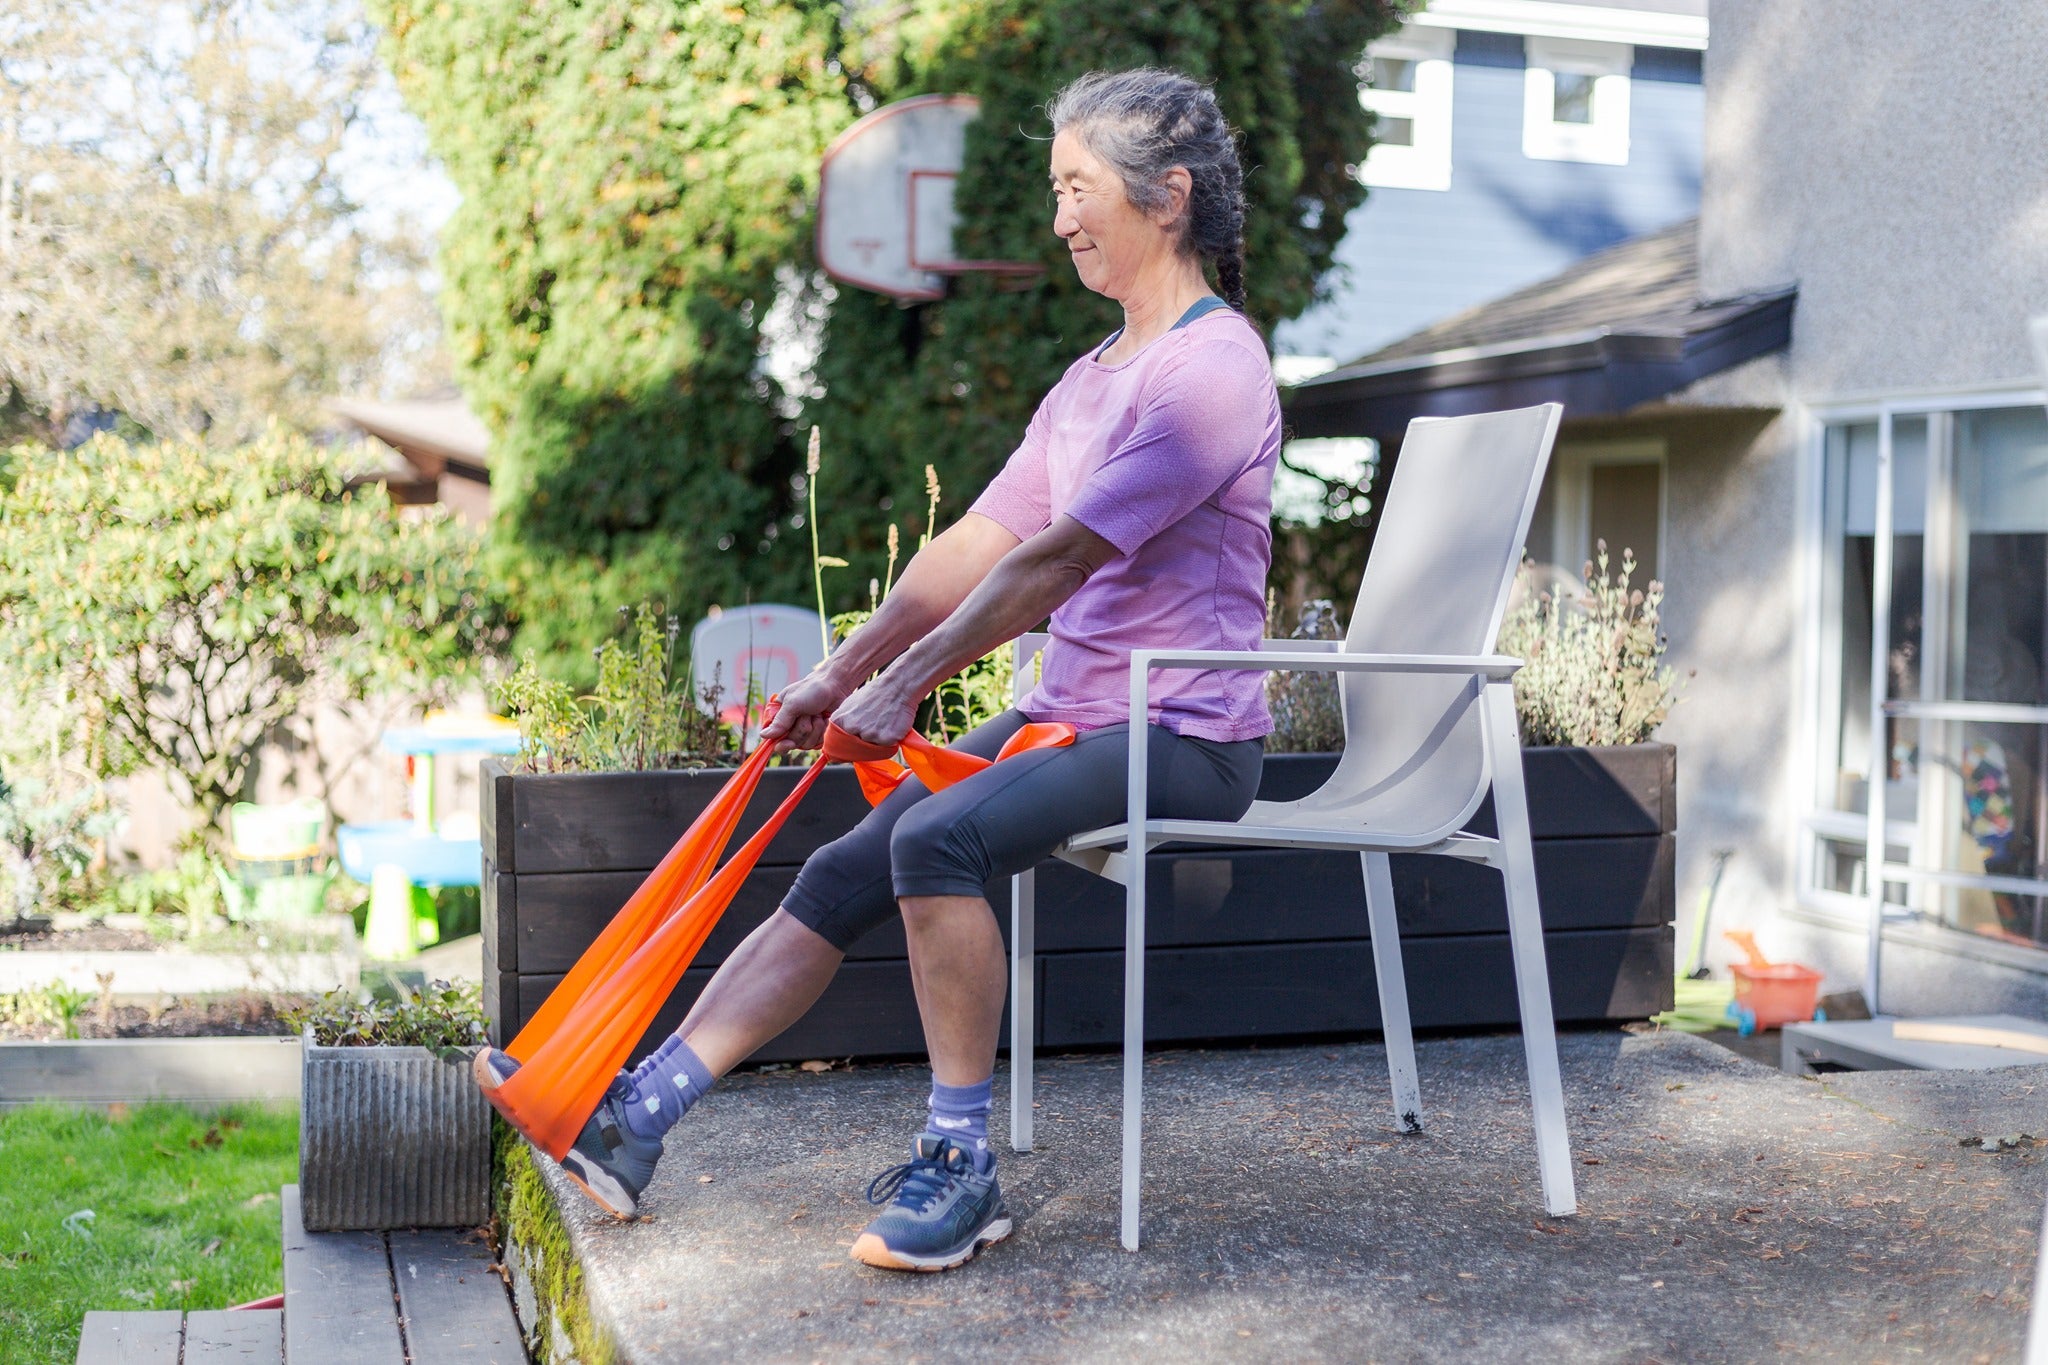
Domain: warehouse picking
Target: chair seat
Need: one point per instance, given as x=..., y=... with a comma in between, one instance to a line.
x=1332, y=833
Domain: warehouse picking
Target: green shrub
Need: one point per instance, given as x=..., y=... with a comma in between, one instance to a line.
x=641, y=714
x=635, y=179
x=55, y=1006
x=1593, y=670
x=439, y=1015
x=54, y=814
x=190, y=601
x=1308, y=718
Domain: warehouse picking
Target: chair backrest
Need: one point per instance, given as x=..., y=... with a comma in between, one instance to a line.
x=1450, y=538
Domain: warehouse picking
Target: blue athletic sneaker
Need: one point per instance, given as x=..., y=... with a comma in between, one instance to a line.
x=941, y=1210
x=610, y=1161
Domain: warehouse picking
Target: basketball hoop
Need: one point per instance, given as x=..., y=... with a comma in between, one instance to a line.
x=885, y=200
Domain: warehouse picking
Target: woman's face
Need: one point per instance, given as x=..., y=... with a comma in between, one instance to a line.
x=1111, y=241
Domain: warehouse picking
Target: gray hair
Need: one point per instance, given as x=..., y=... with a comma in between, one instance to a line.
x=1144, y=123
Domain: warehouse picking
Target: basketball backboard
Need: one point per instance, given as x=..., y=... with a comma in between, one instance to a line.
x=885, y=199
x=762, y=648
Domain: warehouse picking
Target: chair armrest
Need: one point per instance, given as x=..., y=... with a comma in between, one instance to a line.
x=1301, y=646
x=1490, y=666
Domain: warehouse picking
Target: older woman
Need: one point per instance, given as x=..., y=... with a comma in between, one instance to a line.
x=1135, y=513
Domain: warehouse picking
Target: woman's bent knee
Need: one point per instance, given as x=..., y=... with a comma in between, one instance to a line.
x=930, y=854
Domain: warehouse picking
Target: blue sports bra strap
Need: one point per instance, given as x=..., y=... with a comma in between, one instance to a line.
x=1201, y=307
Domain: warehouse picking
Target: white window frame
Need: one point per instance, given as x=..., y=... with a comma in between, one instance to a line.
x=1819, y=643
x=1604, y=141
x=1426, y=163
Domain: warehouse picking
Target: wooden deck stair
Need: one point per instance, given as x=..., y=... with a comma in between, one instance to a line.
x=430, y=1297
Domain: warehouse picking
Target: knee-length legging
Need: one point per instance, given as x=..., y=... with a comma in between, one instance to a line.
x=1005, y=819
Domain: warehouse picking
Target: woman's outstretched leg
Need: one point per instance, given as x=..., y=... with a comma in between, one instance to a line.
x=765, y=986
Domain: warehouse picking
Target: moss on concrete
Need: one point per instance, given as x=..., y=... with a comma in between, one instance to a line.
x=535, y=1245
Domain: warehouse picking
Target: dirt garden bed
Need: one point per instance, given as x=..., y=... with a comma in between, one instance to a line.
x=26, y=1019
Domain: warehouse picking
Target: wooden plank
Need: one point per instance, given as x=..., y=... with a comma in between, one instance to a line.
x=499, y=903
x=607, y=822
x=1282, y=895
x=561, y=914
x=2026, y=1037
x=494, y=799
x=455, y=1306
x=248, y=1334
x=140, y=1338
x=1294, y=989
x=869, y=1010
x=203, y=1071
x=339, y=1308
x=502, y=1015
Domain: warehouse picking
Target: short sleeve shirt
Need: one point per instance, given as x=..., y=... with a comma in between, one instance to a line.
x=1168, y=456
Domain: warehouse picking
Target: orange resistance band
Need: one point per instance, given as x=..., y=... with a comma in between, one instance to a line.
x=582, y=1034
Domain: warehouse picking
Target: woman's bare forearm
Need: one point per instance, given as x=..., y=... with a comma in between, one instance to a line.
x=935, y=582
x=1024, y=587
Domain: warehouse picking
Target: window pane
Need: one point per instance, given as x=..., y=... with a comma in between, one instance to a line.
x=1850, y=513
x=1984, y=805
x=1841, y=869
x=1393, y=73
x=1394, y=132
x=1998, y=594
x=1571, y=99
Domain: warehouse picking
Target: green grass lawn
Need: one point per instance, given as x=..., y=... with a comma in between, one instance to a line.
x=182, y=1214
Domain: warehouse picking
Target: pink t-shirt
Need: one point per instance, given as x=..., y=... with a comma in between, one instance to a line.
x=1169, y=457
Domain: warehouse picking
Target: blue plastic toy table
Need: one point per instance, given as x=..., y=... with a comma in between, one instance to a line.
x=401, y=859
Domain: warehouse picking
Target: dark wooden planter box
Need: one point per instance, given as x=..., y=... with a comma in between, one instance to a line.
x=1243, y=944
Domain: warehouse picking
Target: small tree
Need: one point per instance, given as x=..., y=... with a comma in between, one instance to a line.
x=191, y=601
x=177, y=240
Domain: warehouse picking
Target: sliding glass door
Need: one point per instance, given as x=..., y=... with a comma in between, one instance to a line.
x=1934, y=631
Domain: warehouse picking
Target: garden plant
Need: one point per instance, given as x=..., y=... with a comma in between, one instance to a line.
x=1593, y=668
x=190, y=603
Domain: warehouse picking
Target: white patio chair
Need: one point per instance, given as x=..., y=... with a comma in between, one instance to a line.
x=1429, y=721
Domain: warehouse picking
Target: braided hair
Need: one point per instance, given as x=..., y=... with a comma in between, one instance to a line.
x=1143, y=123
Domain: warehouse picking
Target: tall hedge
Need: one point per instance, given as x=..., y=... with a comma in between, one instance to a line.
x=638, y=182
x=953, y=382
x=632, y=174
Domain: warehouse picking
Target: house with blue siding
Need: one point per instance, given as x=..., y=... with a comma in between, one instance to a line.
x=1516, y=136
x=1816, y=413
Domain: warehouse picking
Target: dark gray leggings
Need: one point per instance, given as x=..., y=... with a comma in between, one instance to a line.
x=1006, y=819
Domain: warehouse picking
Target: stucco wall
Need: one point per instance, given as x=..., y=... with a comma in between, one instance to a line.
x=1888, y=159
x=1731, y=616
x=1891, y=158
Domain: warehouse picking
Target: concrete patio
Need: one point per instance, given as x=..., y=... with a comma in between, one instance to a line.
x=1727, y=1212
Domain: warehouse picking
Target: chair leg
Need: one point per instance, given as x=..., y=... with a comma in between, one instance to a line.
x=1393, y=985
x=1525, y=935
x=1134, y=1041
x=1023, y=1002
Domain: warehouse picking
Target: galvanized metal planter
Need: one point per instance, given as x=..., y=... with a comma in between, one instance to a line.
x=392, y=1137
